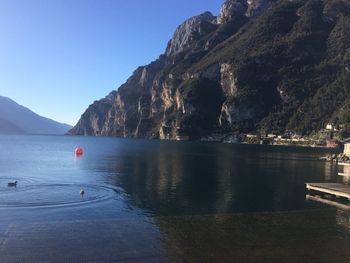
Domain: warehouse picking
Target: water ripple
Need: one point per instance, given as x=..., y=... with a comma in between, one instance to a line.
x=48, y=195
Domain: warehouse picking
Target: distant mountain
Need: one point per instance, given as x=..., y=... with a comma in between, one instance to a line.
x=276, y=66
x=9, y=127
x=15, y=118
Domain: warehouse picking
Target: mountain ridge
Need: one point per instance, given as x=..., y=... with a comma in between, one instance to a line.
x=260, y=66
x=15, y=118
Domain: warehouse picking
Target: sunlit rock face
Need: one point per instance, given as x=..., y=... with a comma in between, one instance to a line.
x=260, y=65
x=230, y=9
x=94, y=118
x=190, y=31
x=236, y=8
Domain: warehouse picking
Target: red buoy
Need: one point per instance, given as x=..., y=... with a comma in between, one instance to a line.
x=78, y=151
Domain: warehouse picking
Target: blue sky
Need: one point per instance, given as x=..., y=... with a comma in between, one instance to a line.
x=58, y=56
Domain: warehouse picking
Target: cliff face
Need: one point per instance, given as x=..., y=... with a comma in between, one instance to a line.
x=261, y=65
x=94, y=118
x=189, y=32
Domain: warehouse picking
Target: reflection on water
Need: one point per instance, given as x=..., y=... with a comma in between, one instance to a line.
x=339, y=203
x=343, y=218
x=165, y=201
x=346, y=169
x=330, y=170
x=344, y=172
x=181, y=179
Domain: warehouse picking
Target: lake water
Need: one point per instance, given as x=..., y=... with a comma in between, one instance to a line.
x=156, y=201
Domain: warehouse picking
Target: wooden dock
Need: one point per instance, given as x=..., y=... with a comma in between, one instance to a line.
x=344, y=174
x=344, y=164
x=338, y=190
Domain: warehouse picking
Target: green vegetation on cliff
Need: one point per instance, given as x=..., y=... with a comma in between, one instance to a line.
x=261, y=66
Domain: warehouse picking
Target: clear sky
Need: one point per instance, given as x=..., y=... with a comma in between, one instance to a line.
x=58, y=56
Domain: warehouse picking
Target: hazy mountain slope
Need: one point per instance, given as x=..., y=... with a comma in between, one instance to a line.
x=8, y=127
x=269, y=66
x=15, y=118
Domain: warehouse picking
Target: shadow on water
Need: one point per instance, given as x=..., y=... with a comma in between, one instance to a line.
x=198, y=178
x=304, y=236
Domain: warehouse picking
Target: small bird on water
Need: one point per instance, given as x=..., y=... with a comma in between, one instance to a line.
x=82, y=192
x=12, y=184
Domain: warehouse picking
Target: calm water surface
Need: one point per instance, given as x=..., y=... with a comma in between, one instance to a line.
x=153, y=201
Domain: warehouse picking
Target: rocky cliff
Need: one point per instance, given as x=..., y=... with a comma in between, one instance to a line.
x=261, y=65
